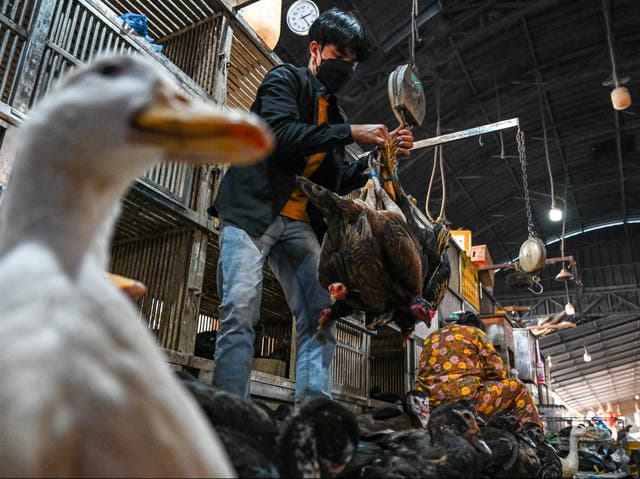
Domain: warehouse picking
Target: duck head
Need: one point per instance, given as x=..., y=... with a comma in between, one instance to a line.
x=460, y=419
x=416, y=403
x=535, y=432
x=123, y=112
x=505, y=420
x=105, y=124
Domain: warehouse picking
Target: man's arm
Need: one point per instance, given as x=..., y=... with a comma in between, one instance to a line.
x=278, y=98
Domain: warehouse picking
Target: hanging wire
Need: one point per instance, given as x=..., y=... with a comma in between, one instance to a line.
x=441, y=218
x=605, y=7
x=437, y=155
x=414, y=33
x=546, y=146
x=564, y=220
x=499, y=117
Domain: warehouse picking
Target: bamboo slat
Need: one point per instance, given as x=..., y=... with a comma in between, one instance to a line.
x=15, y=23
x=248, y=66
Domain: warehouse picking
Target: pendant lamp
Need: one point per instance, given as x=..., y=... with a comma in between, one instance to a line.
x=620, y=96
x=265, y=16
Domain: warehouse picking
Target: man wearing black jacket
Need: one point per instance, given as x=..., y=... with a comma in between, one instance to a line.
x=264, y=217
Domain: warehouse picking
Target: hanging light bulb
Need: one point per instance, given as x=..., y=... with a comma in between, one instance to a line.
x=555, y=213
x=264, y=16
x=620, y=98
x=569, y=310
x=586, y=356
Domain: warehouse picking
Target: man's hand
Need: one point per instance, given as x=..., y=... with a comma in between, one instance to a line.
x=404, y=139
x=375, y=134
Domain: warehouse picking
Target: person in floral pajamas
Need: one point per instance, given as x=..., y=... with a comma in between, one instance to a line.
x=459, y=362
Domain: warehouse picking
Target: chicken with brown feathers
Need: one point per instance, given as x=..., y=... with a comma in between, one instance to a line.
x=433, y=237
x=370, y=261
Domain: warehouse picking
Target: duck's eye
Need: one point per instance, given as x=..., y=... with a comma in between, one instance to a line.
x=109, y=70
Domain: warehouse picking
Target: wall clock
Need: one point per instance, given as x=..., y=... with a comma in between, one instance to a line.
x=301, y=15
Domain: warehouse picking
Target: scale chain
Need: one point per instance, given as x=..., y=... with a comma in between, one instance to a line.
x=525, y=184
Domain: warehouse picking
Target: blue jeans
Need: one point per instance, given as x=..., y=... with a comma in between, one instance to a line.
x=292, y=251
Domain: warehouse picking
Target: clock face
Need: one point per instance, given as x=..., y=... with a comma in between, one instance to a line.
x=301, y=15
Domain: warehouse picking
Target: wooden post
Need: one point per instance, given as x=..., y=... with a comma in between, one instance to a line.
x=192, y=292
x=210, y=173
x=366, y=363
x=224, y=56
x=32, y=57
x=293, y=350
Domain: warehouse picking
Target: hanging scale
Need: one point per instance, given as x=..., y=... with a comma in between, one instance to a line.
x=406, y=94
x=532, y=252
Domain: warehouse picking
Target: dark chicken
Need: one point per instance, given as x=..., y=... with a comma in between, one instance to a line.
x=370, y=261
x=396, y=454
x=318, y=440
x=455, y=427
x=247, y=431
x=550, y=464
x=450, y=448
x=414, y=415
x=514, y=452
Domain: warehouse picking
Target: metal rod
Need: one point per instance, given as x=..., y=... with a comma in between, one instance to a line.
x=513, y=265
x=478, y=130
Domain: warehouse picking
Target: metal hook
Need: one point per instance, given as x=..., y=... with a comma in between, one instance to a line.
x=536, y=282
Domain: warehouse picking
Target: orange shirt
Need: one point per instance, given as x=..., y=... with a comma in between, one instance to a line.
x=296, y=207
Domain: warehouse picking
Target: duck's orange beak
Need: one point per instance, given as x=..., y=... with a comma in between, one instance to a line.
x=192, y=127
x=134, y=289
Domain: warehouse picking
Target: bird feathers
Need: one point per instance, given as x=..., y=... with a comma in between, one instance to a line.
x=84, y=390
x=373, y=253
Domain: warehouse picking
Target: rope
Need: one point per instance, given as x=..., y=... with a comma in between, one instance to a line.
x=437, y=154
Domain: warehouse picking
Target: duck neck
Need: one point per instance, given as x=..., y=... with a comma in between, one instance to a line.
x=572, y=457
x=65, y=210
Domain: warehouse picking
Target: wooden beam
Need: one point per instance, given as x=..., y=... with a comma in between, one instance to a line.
x=241, y=3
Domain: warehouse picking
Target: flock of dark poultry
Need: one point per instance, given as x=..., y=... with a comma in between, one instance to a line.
x=380, y=256
x=323, y=439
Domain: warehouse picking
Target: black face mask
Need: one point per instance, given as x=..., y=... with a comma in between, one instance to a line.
x=334, y=73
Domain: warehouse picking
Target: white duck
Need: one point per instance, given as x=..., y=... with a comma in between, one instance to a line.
x=570, y=463
x=84, y=391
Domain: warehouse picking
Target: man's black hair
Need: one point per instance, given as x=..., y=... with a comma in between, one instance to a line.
x=342, y=29
x=470, y=319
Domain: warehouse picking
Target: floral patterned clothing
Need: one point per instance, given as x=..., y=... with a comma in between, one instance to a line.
x=459, y=362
